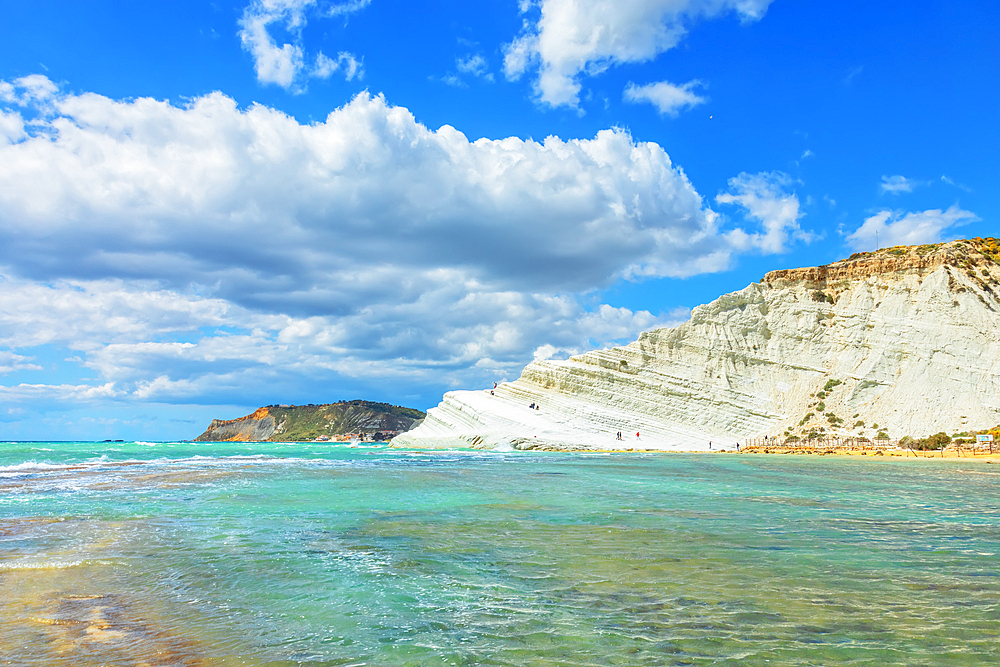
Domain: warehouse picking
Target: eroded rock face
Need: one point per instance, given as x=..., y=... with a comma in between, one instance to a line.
x=255, y=427
x=907, y=338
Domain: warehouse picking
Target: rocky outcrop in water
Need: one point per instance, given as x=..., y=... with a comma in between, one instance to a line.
x=901, y=341
x=295, y=423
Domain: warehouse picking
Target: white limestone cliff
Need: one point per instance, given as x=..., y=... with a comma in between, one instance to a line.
x=912, y=335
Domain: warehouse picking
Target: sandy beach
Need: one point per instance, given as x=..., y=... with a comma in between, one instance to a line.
x=980, y=456
x=984, y=456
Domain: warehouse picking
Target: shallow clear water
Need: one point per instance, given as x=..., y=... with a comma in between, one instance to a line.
x=322, y=554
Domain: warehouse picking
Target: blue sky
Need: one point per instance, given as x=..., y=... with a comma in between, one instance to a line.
x=207, y=206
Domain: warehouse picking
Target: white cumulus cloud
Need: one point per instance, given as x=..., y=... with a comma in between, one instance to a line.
x=346, y=63
x=765, y=198
x=80, y=393
x=206, y=251
x=890, y=228
x=10, y=362
x=285, y=64
x=897, y=184
x=11, y=127
x=474, y=64
x=125, y=333
x=668, y=98
x=563, y=40
x=268, y=210
x=28, y=89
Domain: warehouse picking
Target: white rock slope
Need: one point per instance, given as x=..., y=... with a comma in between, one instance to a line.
x=912, y=334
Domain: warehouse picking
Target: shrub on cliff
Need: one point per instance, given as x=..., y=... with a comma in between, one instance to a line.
x=822, y=296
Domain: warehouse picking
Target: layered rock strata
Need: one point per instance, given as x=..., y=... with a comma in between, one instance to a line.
x=903, y=341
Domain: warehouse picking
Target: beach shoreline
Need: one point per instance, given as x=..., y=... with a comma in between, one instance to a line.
x=949, y=454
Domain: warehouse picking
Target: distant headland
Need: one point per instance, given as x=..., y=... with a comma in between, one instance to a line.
x=342, y=421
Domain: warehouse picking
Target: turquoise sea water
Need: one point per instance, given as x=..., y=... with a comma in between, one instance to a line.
x=322, y=554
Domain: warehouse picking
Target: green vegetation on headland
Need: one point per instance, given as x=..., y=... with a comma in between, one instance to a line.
x=344, y=420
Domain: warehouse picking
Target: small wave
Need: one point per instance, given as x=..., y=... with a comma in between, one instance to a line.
x=40, y=565
x=227, y=459
x=146, y=444
x=34, y=465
